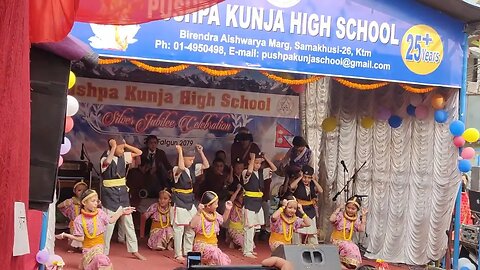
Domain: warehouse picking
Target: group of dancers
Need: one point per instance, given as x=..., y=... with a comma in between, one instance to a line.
x=181, y=223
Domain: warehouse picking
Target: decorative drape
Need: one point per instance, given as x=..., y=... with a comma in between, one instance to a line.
x=410, y=175
x=52, y=20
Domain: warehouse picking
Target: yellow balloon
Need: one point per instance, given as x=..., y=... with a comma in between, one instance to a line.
x=471, y=135
x=329, y=124
x=72, y=79
x=367, y=122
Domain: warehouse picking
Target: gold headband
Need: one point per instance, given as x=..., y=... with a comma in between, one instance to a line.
x=214, y=198
x=80, y=183
x=292, y=200
x=354, y=201
x=166, y=191
x=94, y=193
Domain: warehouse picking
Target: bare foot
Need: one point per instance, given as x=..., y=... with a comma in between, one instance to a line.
x=254, y=253
x=170, y=245
x=70, y=251
x=250, y=256
x=231, y=245
x=160, y=248
x=139, y=256
x=180, y=259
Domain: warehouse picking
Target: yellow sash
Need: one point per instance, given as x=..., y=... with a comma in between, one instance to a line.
x=337, y=235
x=184, y=191
x=115, y=182
x=91, y=242
x=160, y=225
x=253, y=194
x=203, y=239
x=305, y=203
x=278, y=237
x=236, y=225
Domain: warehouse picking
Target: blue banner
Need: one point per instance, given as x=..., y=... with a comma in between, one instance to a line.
x=402, y=41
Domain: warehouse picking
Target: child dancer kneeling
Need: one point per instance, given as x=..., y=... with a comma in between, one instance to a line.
x=344, y=224
x=285, y=221
x=161, y=232
x=206, y=224
x=235, y=226
x=89, y=228
x=70, y=208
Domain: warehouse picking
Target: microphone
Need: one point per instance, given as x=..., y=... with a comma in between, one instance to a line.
x=82, y=153
x=344, y=166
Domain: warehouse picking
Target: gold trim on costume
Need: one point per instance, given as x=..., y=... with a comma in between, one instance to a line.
x=184, y=191
x=94, y=193
x=253, y=194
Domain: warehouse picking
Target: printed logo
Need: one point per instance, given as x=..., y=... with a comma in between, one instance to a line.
x=113, y=37
x=284, y=3
x=285, y=106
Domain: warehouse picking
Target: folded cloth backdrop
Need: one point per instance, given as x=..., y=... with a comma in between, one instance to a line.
x=52, y=20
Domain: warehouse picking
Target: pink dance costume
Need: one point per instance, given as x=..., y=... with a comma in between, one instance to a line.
x=343, y=229
x=282, y=230
x=92, y=227
x=161, y=232
x=206, y=240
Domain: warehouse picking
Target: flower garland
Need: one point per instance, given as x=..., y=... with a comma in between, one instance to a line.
x=167, y=217
x=163, y=70
x=290, y=81
x=109, y=61
x=85, y=228
x=345, y=227
x=360, y=86
x=212, y=228
x=416, y=89
x=219, y=72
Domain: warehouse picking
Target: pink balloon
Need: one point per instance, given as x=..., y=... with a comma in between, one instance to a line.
x=68, y=124
x=459, y=141
x=60, y=161
x=468, y=153
x=421, y=112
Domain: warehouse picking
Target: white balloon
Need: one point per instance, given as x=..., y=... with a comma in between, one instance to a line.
x=72, y=105
x=65, y=147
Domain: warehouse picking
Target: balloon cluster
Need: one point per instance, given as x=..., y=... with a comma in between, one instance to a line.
x=72, y=109
x=462, y=135
x=52, y=261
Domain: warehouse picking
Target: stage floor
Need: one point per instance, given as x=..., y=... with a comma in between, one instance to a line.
x=163, y=260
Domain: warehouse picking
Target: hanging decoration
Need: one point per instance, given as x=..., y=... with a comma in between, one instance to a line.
x=329, y=124
x=109, y=61
x=457, y=128
x=72, y=79
x=290, y=81
x=68, y=124
x=438, y=101
x=464, y=165
x=468, y=153
x=360, y=86
x=411, y=110
x=441, y=116
x=72, y=105
x=219, y=72
x=471, y=135
x=163, y=70
x=367, y=122
x=395, y=121
x=459, y=141
x=416, y=90
x=66, y=146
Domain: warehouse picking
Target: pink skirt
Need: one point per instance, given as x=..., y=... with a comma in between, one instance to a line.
x=94, y=259
x=349, y=253
x=236, y=236
x=211, y=254
x=159, y=238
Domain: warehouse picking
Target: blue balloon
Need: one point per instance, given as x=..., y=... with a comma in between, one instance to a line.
x=457, y=128
x=464, y=165
x=464, y=268
x=441, y=116
x=411, y=110
x=395, y=121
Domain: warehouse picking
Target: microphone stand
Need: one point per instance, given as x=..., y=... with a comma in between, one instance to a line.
x=346, y=186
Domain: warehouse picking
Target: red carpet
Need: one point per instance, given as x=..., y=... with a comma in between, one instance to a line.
x=161, y=260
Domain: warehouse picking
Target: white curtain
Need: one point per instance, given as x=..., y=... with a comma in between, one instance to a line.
x=410, y=175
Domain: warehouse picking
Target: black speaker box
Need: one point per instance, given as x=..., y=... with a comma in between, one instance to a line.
x=49, y=78
x=318, y=257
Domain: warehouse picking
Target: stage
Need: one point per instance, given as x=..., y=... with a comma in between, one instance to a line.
x=159, y=260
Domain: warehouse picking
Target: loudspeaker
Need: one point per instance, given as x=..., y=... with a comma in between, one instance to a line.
x=318, y=257
x=49, y=78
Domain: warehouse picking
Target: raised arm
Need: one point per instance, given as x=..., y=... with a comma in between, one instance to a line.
x=228, y=208
x=277, y=213
x=306, y=219
x=113, y=146
x=294, y=184
x=235, y=194
x=270, y=164
x=251, y=162
x=317, y=185
x=333, y=216
x=135, y=151
x=181, y=163
x=205, y=164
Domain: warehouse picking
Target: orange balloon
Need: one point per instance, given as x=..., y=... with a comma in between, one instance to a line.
x=438, y=101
